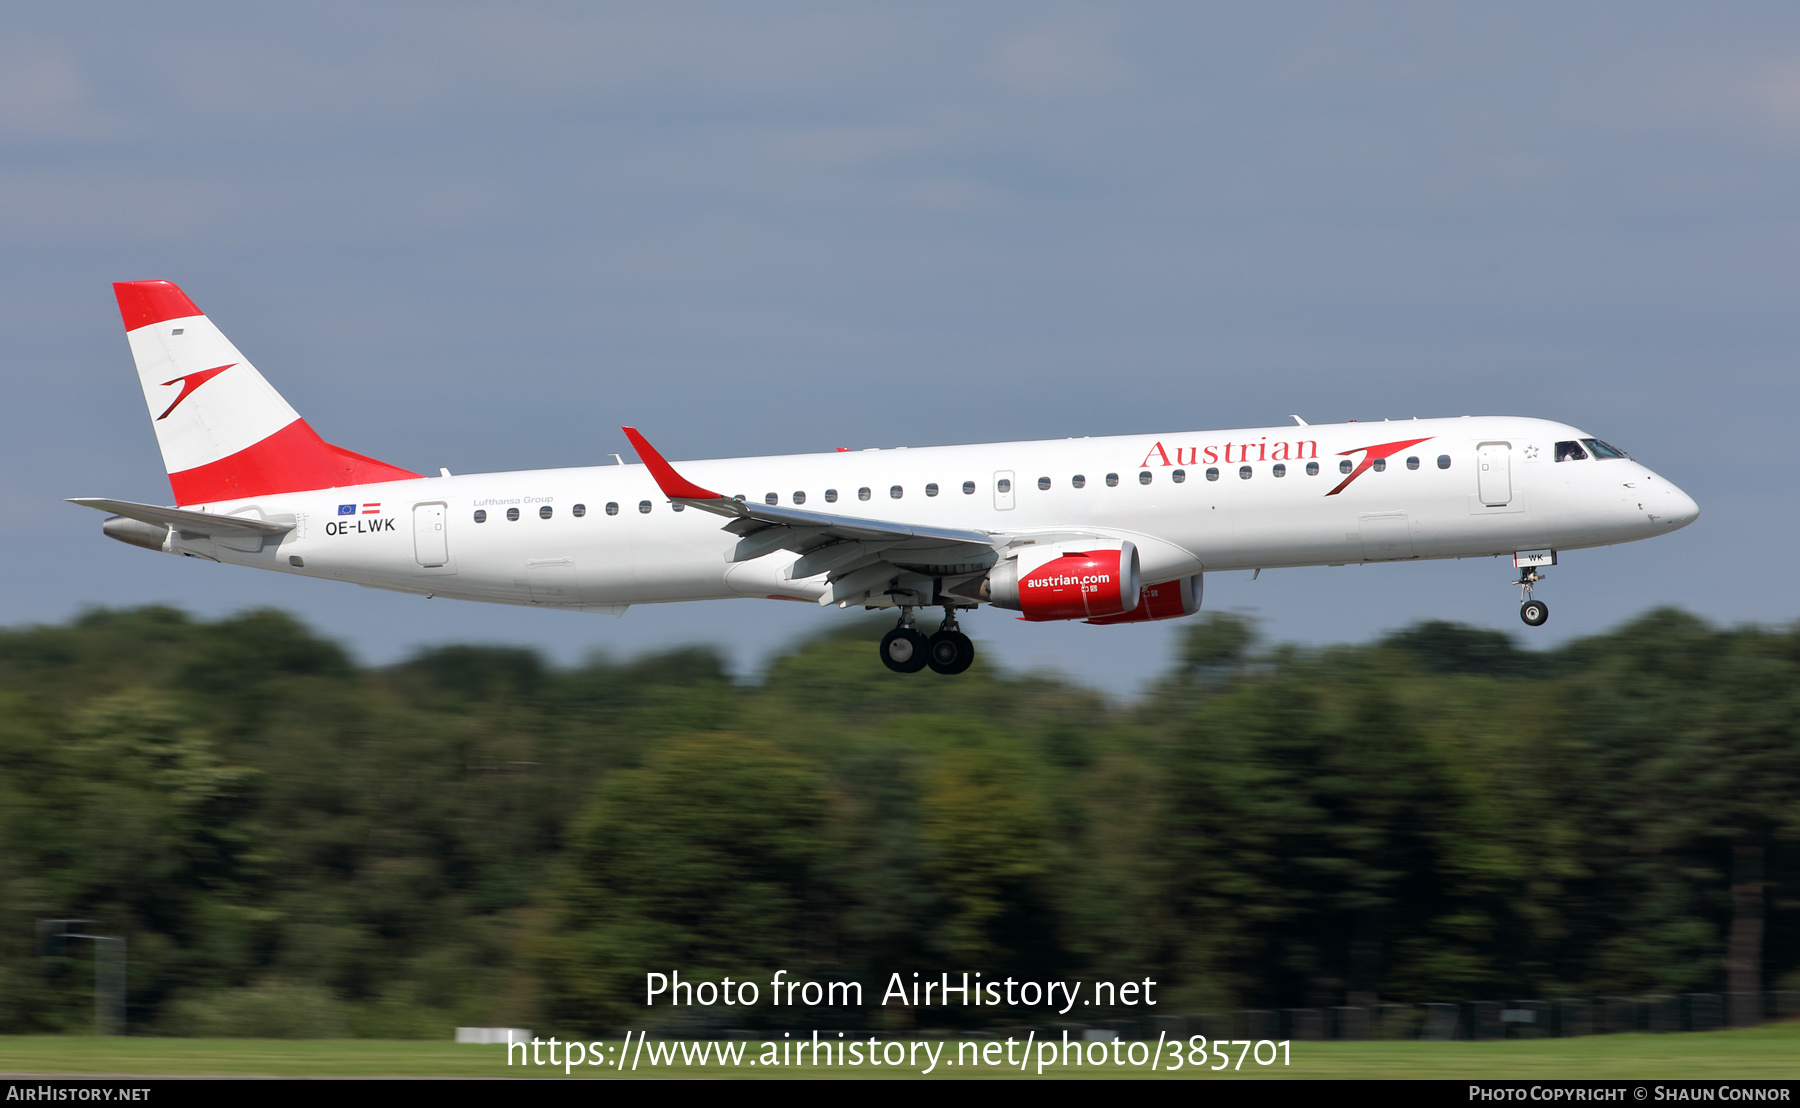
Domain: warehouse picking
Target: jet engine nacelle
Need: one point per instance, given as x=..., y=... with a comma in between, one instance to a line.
x=1168, y=600
x=1070, y=580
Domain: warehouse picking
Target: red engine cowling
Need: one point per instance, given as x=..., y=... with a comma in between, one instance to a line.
x=1060, y=583
x=1168, y=600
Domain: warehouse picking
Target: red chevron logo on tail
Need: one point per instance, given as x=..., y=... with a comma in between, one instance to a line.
x=189, y=383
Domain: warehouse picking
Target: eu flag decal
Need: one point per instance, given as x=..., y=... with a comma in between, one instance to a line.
x=346, y=509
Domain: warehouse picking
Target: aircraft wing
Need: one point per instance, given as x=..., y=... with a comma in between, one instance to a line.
x=855, y=554
x=185, y=521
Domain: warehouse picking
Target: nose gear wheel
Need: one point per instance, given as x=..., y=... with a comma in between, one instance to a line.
x=1533, y=612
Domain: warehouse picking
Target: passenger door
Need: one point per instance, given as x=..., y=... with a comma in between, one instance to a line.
x=1493, y=463
x=431, y=545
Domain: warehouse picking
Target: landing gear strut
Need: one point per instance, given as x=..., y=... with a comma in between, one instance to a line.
x=1533, y=612
x=905, y=649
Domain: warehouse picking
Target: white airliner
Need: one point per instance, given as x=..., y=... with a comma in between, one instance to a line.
x=1106, y=530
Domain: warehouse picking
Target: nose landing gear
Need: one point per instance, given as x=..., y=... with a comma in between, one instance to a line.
x=905, y=649
x=1533, y=612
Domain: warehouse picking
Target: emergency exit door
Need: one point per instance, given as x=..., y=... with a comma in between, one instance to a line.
x=1003, y=490
x=430, y=544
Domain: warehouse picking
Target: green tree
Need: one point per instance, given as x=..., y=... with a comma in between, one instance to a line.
x=701, y=860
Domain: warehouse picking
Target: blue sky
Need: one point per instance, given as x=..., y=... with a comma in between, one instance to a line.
x=484, y=236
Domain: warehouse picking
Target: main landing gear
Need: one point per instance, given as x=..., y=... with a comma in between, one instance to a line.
x=1533, y=612
x=906, y=649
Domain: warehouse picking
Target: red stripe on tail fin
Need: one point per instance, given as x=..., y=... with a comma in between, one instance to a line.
x=293, y=459
x=142, y=303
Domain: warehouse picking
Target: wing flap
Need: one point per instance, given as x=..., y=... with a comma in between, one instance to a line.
x=770, y=539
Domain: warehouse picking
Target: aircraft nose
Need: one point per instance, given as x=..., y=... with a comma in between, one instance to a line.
x=1681, y=508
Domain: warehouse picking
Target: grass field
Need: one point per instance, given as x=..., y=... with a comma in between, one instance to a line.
x=1771, y=1052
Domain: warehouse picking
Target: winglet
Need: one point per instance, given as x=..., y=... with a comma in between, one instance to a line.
x=673, y=485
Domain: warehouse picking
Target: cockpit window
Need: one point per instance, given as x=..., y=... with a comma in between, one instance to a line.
x=1603, y=450
x=1570, y=452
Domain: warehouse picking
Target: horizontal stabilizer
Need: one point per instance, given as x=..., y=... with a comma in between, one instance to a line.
x=185, y=521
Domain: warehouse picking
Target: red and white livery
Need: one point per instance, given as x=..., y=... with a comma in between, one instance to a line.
x=1107, y=530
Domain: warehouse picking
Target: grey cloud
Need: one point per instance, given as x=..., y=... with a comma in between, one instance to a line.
x=45, y=94
x=1069, y=55
x=356, y=63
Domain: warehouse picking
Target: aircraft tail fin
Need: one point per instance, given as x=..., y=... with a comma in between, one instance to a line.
x=224, y=432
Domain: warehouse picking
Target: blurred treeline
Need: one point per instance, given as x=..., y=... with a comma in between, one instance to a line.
x=294, y=845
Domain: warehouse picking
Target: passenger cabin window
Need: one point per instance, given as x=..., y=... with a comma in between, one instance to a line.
x=1004, y=485
x=1412, y=463
x=799, y=498
x=931, y=489
x=1345, y=466
x=1178, y=476
x=512, y=514
x=1078, y=481
x=1144, y=477
x=1603, y=451
x=644, y=506
x=896, y=492
x=831, y=496
x=481, y=515
x=578, y=510
x=1570, y=452
x=1443, y=461
x=612, y=507
x=1212, y=474
x=544, y=512
x=1380, y=465
x=968, y=488
x=1112, y=480
x=1044, y=484
x=1244, y=472
x=1279, y=470
x=771, y=499
x=862, y=493
x=1312, y=469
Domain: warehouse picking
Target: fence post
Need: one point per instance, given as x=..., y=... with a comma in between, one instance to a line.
x=109, y=969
